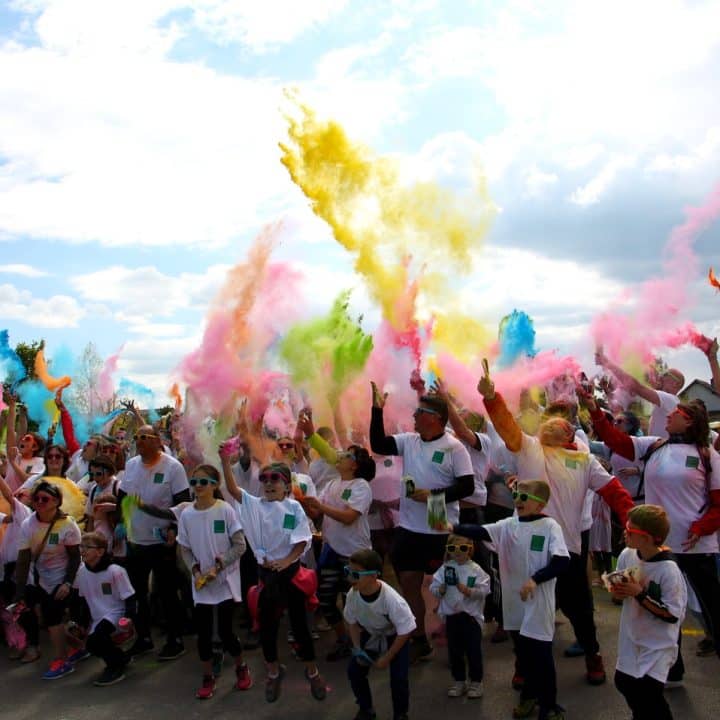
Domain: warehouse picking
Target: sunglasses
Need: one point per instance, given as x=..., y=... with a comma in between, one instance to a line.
x=345, y=455
x=357, y=574
x=98, y=473
x=145, y=436
x=620, y=421
x=286, y=446
x=524, y=497
x=682, y=413
x=27, y=438
x=462, y=547
x=43, y=499
x=272, y=477
x=54, y=456
x=91, y=547
x=203, y=481
x=428, y=411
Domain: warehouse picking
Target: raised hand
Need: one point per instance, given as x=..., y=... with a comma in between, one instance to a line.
x=305, y=422
x=378, y=398
x=485, y=386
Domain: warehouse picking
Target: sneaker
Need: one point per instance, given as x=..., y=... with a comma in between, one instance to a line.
x=58, y=669
x=318, y=688
x=365, y=715
x=252, y=641
x=141, y=646
x=322, y=625
x=475, y=690
x=273, y=685
x=109, y=677
x=291, y=637
x=78, y=656
x=314, y=634
x=341, y=650
x=499, y=636
x=705, y=647
x=518, y=682
x=420, y=649
x=557, y=713
x=31, y=654
x=457, y=689
x=207, y=689
x=574, y=650
x=171, y=651
x=15, y=653
x=217, y=663
x=674, y=684
x=243, y=680
x=595, y=674
x=525, y=708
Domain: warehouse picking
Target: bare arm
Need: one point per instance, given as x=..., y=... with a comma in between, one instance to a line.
x=712, y=356
x=6, y=493
x=11, y=415
x=230, y=483
x=461, y=430
x=628, y=381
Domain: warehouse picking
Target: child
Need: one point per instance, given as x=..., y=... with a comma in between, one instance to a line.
x=462, y=586
x=380, y=623
x=654, y=596
x=277, y=529
x=109, y=596
x=211, y=543
x=532, y=552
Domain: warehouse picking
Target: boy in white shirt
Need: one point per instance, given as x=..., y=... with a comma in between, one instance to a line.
x=380, y=623
x=462, y=586
x=106, y=589
x=654, y=596
x=532, y=553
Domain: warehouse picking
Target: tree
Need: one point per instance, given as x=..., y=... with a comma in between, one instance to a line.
x=27, y=352
x=85, y=381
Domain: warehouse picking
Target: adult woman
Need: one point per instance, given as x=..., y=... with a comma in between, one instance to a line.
x=344, y=506
x=682, y=475
x=48, y=560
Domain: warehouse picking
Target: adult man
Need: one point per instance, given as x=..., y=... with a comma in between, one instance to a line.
x=156, y=479
x=663, y=395
x=553, y=456
x=435, y=462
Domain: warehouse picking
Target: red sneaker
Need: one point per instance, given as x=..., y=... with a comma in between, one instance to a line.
x=207, y=689
x=244, y=681
x=595, y=674
x=518, y=682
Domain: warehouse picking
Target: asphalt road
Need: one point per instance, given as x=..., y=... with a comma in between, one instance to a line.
x=166, y=690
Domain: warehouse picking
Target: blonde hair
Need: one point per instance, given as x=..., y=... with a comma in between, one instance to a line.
x=535, y=487
x=652, y=519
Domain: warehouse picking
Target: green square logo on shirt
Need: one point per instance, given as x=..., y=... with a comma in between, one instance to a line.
x=28, y=470
x=219, y=526
x=158, y=478
x=537, y=543
x=471, y=581
x=289, y=522
x=692, y=462
x=654, y=591
x=572, y=464
x=53, y=539
x=346, y=494
x=438, y=456
x=106, y=588
x=303, y=487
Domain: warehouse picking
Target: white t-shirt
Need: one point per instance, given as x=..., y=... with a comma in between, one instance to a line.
x=105, y=592
x=646, y=644
x=273, y=527
x=388, y=615
x=658, y=417
x=207, y=533
x=78, y=467
x=35, y=466
x=523, y=549
x=155, y=485
x=305, y=483
x=479, y=460
x=53, y=560
x=249, y=479
x=386, y=487
x=355, y=495
x=322, y=472
x=675, y=478
x=570, y=474
x=10, y=541
x=431, y=465
x=453, y=601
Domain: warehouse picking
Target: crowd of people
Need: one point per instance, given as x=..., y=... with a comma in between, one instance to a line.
x=504, y=516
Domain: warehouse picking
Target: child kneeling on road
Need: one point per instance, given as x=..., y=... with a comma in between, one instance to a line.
x=380, y=623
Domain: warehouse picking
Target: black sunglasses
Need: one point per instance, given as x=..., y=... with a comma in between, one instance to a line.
x=202, y=481
x=272, y=477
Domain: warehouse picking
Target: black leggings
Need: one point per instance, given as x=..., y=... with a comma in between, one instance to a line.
x=644, y=696
x=332, y=583
x=204, y=627
x=534, y=662
x=278, y=592
x=100, y=643
x=53, y=612
x=574, y=598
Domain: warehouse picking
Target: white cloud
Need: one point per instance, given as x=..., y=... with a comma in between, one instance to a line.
x=536, y=181
x=592, y=191
x=58, y=311
x=24, y=270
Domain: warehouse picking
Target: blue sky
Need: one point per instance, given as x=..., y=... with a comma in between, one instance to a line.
x=138, y=151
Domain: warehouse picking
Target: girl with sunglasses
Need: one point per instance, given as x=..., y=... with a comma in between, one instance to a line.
x=25, y=455
x=48, y=560
x=278, y=531
x=462, y=586
x=211, y=543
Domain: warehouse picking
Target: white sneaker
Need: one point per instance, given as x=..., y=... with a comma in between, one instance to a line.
x=457, y=689
x=674, y=684
x=475, y=690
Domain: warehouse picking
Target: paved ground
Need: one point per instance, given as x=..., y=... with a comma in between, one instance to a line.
x=166, y=690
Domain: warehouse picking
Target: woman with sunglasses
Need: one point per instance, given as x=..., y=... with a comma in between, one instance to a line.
x=102, y=493
x=278, y=531
x=343, y=507
x=48, y=560
x=682, y=474
x=211, y=543
x=25, y=456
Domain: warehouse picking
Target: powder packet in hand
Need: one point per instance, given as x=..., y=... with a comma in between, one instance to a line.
x=437, y=512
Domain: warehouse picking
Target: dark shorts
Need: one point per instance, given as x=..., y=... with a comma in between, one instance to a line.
x=418, y=552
